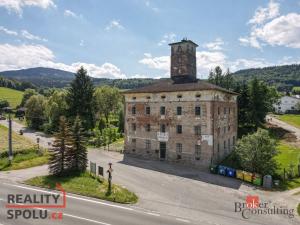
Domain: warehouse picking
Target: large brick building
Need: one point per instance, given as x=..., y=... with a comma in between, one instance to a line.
x=181, y=119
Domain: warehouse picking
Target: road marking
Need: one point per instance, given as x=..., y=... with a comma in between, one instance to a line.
x=183, y=220
x=82, y=218
x=74, y=197
x=153, y=214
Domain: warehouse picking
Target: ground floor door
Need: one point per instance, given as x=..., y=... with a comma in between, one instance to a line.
x=162, y=150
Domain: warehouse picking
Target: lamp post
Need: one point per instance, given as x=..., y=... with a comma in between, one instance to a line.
x=10, y=150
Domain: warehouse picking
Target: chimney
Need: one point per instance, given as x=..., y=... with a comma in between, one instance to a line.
x=183, y=61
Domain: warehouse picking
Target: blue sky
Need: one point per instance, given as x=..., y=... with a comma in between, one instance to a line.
x=129, y=38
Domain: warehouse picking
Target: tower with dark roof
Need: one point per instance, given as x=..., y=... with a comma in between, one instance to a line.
x=183, y=61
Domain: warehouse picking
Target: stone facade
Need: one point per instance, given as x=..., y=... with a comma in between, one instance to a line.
x=190, y=122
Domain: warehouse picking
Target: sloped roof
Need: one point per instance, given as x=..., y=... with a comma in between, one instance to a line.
x=169, y=85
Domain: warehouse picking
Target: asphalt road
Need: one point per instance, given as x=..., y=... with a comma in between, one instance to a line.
x=81, y=210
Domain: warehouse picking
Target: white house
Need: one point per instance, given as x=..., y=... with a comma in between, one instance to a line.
x=286, y=103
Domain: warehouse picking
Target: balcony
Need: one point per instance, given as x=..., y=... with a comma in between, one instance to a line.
x=162, y=136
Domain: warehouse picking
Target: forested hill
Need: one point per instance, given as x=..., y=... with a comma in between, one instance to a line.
x=49, y=78
x=14, y=84
x=283, y=77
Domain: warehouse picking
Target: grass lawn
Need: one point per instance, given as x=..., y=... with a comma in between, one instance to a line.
x=18, y=141
x=290, y=119
x=14, y=97
x=23, y=159
x=85, y=184
x=298, y=209
x=287, y=155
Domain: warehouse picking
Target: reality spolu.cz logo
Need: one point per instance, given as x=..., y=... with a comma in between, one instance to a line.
x=253, y=207
x=37, y=206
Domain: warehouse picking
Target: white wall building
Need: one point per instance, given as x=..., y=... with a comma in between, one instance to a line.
x=286, y=103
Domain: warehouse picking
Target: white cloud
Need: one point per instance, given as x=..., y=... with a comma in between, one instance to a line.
x=30, y=36
x=281, y=31
x=270, y=28
x=18, y=5
x=7, y=31
x=239, y=64
x=114, y=24
x=167, y=38
x=263, y=14
x=149, y=5
x=214, y=45
x=139, y=76
x=69, y=13
x=205, y=61
x=13, y=57
x=81, y=43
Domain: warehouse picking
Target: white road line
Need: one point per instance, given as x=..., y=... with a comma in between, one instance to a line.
x=82, y=218
x=183, y=220
x=74, y=197
x=70, y=215
x=153, y=214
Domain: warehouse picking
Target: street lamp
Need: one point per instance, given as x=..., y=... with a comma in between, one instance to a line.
x=10, y=151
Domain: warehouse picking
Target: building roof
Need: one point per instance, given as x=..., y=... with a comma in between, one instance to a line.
x=182, y=41
x=169, y=85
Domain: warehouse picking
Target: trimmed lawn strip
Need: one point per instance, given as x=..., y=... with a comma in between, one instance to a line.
x=291, y=119
x=298, y=209
x=23, y=159
x=85, y=184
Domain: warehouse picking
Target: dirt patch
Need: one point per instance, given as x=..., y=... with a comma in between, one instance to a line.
x=280, y=133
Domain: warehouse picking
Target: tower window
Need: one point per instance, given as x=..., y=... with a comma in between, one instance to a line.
x=163, y=96
x=179, y=96
x=197, y=111
x=162, y=110
x=133, y=98
x=179, y=110
x=147, y=110
x=148, y=127
x=198, y=95
x=148, y=97
x=197, y=152
x=133, y=126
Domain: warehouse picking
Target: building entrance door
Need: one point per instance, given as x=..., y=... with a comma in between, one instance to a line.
x=162, y=150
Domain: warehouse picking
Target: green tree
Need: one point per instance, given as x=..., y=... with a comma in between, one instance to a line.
x=26, y=95
x=61, y=147
x=77, y=156
x=80, y=99
x=35, y=111
x=256, y=153
x=107, y=101
x=121, y=121
x=55, y=108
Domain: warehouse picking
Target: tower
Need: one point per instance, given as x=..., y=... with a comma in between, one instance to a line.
x=183, y=61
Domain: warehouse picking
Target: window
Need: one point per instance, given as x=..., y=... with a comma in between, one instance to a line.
x=147, y=110
x=197, y=130
x=224, y=130
x=133, y=98
x=228, y=143
x=133, y=126
x=197, y=110
x=133, y=142
x=133, y=110
x=163, y=96
x=218, y=110
x=178, y=148
x=219, y=130
x=179, y=129
x=197, y=152
x=148, y=127
x=162, y=110
x=198, y=95
x=163, y=128
x=179, y=110
x=228, y=128
x=148, y=144
x=229, y=110
x=224, y=145
x=179, y=96
x=148, y=97
x=225, y=110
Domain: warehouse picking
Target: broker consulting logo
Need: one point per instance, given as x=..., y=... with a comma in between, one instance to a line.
x=254, y=207
x=36, y=206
